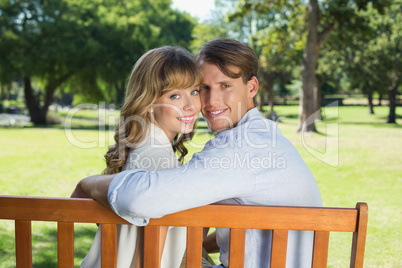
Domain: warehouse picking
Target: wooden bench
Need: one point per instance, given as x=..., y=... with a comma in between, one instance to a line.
x=67, y=211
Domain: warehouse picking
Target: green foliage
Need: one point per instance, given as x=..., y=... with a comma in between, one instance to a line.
x=203, y=33
x=87, y=46
x=367, y=59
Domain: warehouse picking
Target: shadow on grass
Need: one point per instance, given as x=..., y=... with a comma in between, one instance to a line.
x=61, y=127
x=289, y=116
x=385, y=118
x=373, y=124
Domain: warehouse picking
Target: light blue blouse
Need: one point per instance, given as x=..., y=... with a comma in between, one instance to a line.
x=252, y=163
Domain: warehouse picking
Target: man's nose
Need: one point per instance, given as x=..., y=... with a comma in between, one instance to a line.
x=213, y=97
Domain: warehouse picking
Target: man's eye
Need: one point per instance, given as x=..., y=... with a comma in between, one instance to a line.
x=205, y=87
x=175, y=96
x=225, y=86
x=195, y=92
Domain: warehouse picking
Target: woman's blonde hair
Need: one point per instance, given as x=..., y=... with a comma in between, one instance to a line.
x=159, y=70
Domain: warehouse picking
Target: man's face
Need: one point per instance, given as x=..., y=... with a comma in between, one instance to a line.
x=224, y=100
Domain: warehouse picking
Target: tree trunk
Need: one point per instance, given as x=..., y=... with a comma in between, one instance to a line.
x=36, y=111
x=2, y=91
x=318, y=97
x=310, y=56
x=270, y=90
x=370, y=101
x=120, y=93
x=380, y=99
x=260, y=102
x=392, y=103
x=272, y=114
x=38, y=115
x=315, y=39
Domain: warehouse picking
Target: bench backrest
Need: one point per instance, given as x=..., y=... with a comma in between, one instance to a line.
x=238, y=218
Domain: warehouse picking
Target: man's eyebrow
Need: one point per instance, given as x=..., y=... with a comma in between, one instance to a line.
x=227, y=81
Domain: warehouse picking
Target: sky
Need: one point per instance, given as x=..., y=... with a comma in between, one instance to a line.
x=196, y=8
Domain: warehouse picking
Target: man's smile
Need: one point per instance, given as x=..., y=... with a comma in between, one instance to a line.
x=216, y=113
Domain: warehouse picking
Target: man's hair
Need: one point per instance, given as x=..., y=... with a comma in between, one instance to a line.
x=226, y=53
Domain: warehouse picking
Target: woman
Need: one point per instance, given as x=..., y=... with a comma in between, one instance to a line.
x=158, y=116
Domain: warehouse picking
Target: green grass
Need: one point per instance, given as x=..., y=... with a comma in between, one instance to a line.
x=359, y=161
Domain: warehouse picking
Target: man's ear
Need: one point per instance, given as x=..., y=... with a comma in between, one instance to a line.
x=252, y=85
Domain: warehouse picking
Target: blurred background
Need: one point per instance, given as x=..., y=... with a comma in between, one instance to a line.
x=330, y=76
x=56, y=54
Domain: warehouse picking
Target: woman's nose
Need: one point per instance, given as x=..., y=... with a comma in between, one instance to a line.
x=189, y=103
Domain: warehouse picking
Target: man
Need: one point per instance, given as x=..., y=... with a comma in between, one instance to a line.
x=247, y=162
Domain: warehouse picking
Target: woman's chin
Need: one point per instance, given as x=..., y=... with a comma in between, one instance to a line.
x=187, y=130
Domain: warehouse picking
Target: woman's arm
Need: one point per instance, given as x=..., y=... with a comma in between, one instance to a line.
x=95, y=187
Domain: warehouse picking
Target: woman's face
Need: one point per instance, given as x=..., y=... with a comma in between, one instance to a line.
x=176, y=111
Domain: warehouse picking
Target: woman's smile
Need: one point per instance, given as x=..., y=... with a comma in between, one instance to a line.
x=187, y=119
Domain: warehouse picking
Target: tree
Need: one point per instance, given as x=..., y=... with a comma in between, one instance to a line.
x=281, y=46
x=264, y=26
x=22, y=51
x=321, y=22
x=386, y=50
x=310, y=89
x=132, y=28
x=205, y=32
x=91, y=44
x=370, y=59
x=318, y=25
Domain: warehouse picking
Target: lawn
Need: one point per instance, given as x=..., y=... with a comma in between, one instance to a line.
x=354, y=157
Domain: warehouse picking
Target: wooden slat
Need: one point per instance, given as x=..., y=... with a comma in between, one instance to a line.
x=151, y=246
x=359, y=237
x=23, y=244
x=109, y=245
x=237, y=246
x=194, y=247
x=65, y=244
x=279, y=248
x=56, y=209
x=320, y=252
x=263, y=217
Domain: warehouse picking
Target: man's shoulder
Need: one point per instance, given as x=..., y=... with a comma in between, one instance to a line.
x=253, y=133
x=257, y=128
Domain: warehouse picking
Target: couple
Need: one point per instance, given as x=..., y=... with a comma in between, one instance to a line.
x=247, y=162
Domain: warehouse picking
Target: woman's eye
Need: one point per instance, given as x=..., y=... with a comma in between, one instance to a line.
x=195, y=92
x=175, y=96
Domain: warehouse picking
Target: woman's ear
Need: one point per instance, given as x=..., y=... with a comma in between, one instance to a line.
x=150, y=109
